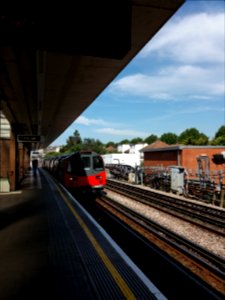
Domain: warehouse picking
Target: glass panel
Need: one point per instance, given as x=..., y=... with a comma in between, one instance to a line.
x=87, y=162
x=69, y=167
x=98, y=163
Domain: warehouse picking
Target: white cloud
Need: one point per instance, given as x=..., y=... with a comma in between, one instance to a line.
x=121, y=132
x=196, y=44
x=192, y=39
x=173, y=83
x=88, y=122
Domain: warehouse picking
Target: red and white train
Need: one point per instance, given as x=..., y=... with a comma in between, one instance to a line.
x=81, y=170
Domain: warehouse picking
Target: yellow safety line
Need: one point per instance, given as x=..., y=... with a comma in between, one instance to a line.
x=115, y=274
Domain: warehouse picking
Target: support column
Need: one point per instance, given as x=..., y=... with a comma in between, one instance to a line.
x=26, y=154
x=12, y=165
x=5, y=138
x=21, y=171
x=23, y=160
x=4, y=165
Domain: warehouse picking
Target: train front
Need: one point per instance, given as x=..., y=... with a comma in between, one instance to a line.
x=95, y=171
x=86, y=172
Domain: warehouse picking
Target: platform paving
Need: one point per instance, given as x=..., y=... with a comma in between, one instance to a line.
x=25, y=269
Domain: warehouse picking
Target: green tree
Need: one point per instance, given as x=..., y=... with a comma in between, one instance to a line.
x=220, y=132
x=111, y=147
x=192, y=136
x=169, y=138
x=73, y=143
x=52, y=153
x=137, y=140
x=93, y=145
x=124, y=142
x=219, y=138
x=202, y=140
x=151, y=139
x=77, y=137
x=111, y=144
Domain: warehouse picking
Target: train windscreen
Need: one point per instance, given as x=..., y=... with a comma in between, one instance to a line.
x=87, y=162
x=98, y=163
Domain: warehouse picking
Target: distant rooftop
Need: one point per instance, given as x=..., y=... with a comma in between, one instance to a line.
x=161, y=146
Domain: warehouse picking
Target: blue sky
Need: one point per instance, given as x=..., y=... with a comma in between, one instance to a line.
x=177, y=81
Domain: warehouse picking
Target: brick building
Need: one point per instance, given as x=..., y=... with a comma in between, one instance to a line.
x=160, y=154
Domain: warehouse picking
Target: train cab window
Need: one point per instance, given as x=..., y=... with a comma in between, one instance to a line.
x=77, y=165
x=98, y=163
x=69, y=167
x=87, y=162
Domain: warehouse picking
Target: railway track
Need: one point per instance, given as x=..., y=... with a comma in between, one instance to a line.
x=204, y=265
x=203, y=215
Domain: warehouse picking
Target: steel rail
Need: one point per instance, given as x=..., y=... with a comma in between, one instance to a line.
x=212, y=266
x=174, y=239
x=213, y=219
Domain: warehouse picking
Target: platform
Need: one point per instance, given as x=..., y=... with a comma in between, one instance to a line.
x=51, y=247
